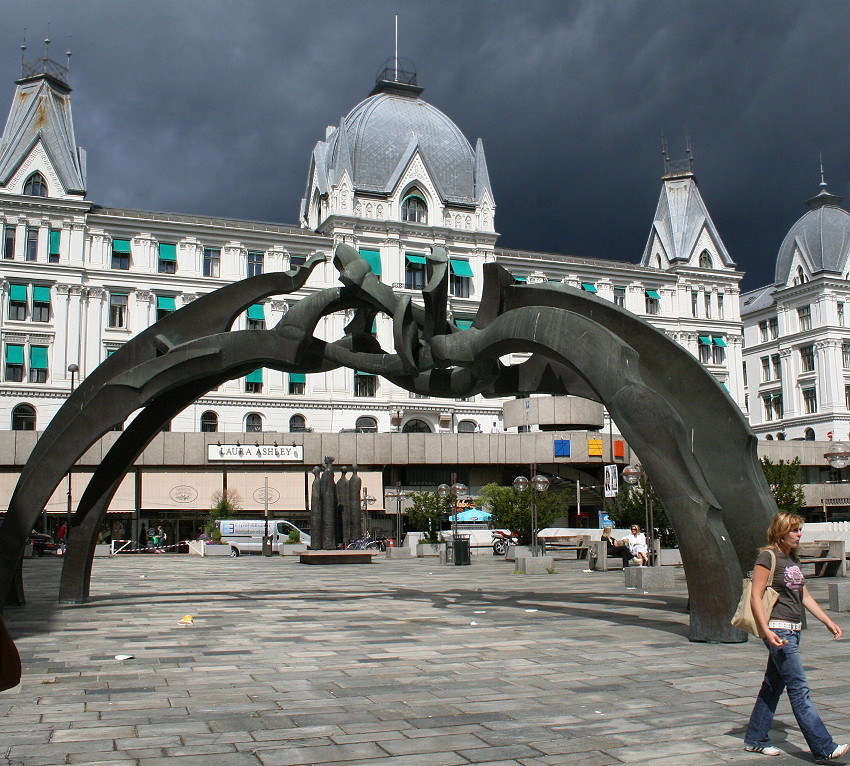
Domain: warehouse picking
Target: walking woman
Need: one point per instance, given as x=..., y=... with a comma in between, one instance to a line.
x=782, y=638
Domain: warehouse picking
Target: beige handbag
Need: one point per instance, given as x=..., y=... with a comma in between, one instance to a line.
x=743, y=618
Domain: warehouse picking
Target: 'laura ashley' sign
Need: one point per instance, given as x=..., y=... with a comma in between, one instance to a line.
x=252, y=452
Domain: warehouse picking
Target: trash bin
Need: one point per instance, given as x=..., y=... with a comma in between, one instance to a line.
x=267, y=545
x=460, y=547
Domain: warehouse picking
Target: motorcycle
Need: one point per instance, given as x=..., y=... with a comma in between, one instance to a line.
x=502, y=539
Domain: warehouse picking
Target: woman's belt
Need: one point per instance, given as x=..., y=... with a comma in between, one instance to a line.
x=782, y=625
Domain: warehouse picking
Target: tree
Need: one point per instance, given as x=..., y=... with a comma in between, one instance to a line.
x=427, y=512
x=511, y=509
x=629, y=507
x=784, y=480
x=224, y=503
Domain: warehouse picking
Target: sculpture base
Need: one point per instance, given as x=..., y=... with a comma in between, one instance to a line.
x=336, y=557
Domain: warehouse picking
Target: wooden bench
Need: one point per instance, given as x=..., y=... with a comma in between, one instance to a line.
x=578, y=543
x=826, y=555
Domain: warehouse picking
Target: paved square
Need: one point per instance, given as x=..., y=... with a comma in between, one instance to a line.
x=399, y=663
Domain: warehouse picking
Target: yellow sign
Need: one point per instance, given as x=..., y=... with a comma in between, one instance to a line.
x=594, y=447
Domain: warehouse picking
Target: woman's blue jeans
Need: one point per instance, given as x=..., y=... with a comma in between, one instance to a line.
x=785, y=671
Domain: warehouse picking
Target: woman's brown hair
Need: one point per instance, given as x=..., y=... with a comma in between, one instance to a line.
x=781, y=525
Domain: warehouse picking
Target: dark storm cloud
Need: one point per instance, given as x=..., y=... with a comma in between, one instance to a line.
x=214, y=107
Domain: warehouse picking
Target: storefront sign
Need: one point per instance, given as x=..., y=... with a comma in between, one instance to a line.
x=246, y=453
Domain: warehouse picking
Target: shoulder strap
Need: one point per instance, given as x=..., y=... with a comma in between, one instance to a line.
x=772, y=566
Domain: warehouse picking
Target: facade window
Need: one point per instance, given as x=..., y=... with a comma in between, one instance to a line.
x=167, y=263
x=297, y=424
x=297, y=383
x=776, y=361
x=765, y=369
x=23, y=418
x=118, y=310
x=845, y=355
x=366, y=425
x=254, y=382
x=40, y=303
x=256, y=316
x=807, y=359
x=414, y=395
x=772, y=402
x=14, y=363
x=694, y=304
x=653, y=302
x=459, y=286
x=38, y=364
x=620, y=296
x=414, y=272
x=718, y=352
x=810, y=401
x=255, y=264
x=763, y=331
x=704, y=352
x=165, y=305
x=414, y=209
x=416, y=426
x=35, y=186
x=804, y=317
x=705, y=260
x=209, y=422
x=31, y=251
x=121, y=254
x=847, y=397
x=9, y=243
x=840, y=307
x=720, y=307
x=466, y=427
x=54, y=240
x=18, y=302
x=707, y=305
x=297, y=260
x=212, y=262
x=460, y=277
x=809, y=435
x=365, y=384
x=773, y=328
x=253, y=422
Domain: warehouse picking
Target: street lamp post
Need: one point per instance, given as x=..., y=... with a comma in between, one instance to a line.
x=73, y=369
x=538, y=483
x=632, y=475
x=267, y=543
x=396, y=494
x=365, y=502
x=838, y=457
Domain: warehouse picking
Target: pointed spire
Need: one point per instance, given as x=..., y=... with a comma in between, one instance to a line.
x=823, y=197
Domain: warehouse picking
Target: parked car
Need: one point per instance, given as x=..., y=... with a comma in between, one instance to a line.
x=42, y=543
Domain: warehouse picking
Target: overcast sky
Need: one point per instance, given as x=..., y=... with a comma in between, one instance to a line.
x=213, y=106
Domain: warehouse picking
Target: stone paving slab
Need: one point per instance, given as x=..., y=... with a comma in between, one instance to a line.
x=406, y=662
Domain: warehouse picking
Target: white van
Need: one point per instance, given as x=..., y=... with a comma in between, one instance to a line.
x=246, y=535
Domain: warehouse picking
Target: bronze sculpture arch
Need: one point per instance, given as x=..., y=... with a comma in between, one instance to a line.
x=690, y=435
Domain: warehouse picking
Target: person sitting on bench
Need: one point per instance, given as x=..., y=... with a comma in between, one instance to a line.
x=615, y=548
x=636, y=543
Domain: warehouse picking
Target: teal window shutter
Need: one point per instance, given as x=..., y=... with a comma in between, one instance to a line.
x=463, y=324
x=38, y=357
x=255, y=377
x=373, y=258
x=257, y=312
x=413, y=258
x=40, y=294
x=704, y=340
x=167, y=252
x=460, y=268
x=166, y=303
x=652, y=294
x=55, y=239
x=18, y=293
x=14, y=354
x=120, y=245
x=718, y=340
x=589, y=287
x=297, y=377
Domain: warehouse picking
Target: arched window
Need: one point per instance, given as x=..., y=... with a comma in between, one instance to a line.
x=366, y=425
x=810, y=434
x=253, y=422
x=209, y=422
x=769, y=437
x=781, y=436
x=657, y=261
x=35, y=186
x=23, y=418
x=297, y=423
x=466, y=427
x=705, y=260
x=413, y=208
x=416, y=426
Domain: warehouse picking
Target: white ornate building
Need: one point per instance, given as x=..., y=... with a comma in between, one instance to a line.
x=395, y=177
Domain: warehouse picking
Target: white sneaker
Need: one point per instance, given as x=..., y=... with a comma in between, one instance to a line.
x=766, y=750
x=836, y=754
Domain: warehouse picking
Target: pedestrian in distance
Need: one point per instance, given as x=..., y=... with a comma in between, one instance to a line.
x=781, y=631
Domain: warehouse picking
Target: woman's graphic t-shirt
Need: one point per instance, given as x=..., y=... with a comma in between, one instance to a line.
x=788, y=581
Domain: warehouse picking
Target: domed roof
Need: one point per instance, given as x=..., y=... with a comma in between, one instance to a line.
x=822, y=237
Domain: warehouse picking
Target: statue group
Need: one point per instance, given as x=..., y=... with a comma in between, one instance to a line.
x=335, y=515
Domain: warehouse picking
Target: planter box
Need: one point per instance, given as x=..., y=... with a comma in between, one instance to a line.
x=291, y=549
x=213, y=549
x=428, y=549
x=535, y=565
x=102, y=550
x=515, y=552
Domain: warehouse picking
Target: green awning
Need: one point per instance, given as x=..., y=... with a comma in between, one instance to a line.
x=120, y=245
x=14, y=354
x=718, y=341
x=167, y=252
x=255, y=377
x=360, y=372
x=38, y=357
x=55, y=239
x=704, y=340
x=463, y=324
x=297, y=377
x=40, y=294
x=589, y=287
x=460, y=268
x=413, y=258
x=18, y=293
x=373, y=258
x=257, y=312
x=520, y=279
x=653, y=294
x=165, y=303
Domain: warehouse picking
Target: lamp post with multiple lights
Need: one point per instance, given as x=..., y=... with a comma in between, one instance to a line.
x=538, y=483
